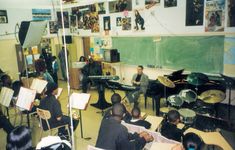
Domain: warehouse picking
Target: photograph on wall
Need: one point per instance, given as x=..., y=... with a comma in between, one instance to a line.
x=92, y=8
x=87, y=20
x=53, y=27
x=214, y=15
x=170, y=3
x=73, y=21
x=94, y=21
x=83, y=16
x=100, y=8
x=151, y=3
x=41, y=14
x=126, y=23
x=120, y=6
x=139, y=20
x=66, y=19
x=194, y=12
x=119, y=21
x=107, y=23
x=3, y=16
x=231, y=13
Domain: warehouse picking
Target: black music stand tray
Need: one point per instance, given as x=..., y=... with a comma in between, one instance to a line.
x=101, y=103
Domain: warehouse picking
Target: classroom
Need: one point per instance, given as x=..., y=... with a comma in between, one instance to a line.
x=117, y=74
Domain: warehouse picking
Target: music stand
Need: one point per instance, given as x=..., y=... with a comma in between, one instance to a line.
x=101, y=103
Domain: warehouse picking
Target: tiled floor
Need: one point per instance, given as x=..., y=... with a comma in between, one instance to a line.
x=91, y=120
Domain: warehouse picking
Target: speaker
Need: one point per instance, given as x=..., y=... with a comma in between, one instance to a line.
x=68, y=39
x=24, y=26
x=30, y=33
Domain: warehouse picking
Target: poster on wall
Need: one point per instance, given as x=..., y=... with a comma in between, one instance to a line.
x=151, y=3
x=94, y=21
x=3, y=16
x=41, y=14
x=100, y=8
x=229, y=55
x=66, y=19
x=139, y=20
x=214, y=15
x=126, y=23
x=170, y=3
x=120, y=6
x=53, y=27
x=107, y=23
x=119, y=21
x=194, y=12
x=231, y=13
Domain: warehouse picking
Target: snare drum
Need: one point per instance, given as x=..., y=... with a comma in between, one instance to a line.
x=165, y=110
x=175, y=100
x=188, y=115
x=188, y=95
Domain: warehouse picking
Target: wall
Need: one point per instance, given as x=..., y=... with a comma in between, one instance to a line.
x=8, y=60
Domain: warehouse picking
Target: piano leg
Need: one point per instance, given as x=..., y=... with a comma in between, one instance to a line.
x=101, y=103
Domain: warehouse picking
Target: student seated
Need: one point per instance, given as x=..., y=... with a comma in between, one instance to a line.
x=192, y=141
x=113, y=135
x=19, y=139
x=5, y=123
x=169, y=127
x=137, y=120
x=116, y=99
x=51, y=104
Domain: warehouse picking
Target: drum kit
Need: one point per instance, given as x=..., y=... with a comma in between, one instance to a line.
x=188, y=96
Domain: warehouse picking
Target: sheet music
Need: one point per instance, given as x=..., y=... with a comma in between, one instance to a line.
x=59, y=92
x=6, y=96
x=25, y=98
x=38, y=85
x=79, y=100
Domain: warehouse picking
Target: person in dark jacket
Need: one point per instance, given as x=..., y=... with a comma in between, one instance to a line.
x=137, y=120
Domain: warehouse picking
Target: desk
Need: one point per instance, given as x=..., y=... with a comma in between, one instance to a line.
x=162, y=146
x=211, y=138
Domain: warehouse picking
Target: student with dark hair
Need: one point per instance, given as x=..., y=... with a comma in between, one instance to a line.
x=19, y=139
x=136, y=118
x=41, y=70
x=116, y=99
x=192, y=141
x=113, y=135
x=51, y=104
x=169, y=127
x=6, y=81
x=140, y=81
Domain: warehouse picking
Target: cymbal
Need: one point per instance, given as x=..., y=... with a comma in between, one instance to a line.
x=212, y=96
x=166, y=82
x=196, y=78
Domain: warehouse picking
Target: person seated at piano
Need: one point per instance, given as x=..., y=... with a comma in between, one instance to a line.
x=116, y=99
x=169, y=126
x=90, y=69
x=139, y=80
x=137, y=120
x=114, y=136
x=51, y=104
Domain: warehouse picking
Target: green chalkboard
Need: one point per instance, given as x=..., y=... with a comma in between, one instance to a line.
x=192, y=53
x=136, y=50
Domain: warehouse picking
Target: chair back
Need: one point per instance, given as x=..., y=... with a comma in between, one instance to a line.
x=44, y=115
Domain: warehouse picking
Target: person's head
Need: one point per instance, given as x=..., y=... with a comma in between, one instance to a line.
x=140, y=69
x=82, y=59
x=51, y=89
x=19, y=139
x=91, y=61
x=6, y=80
x=40, y=65
x=16, y=87
x=192, y=141
x=53, y=58
x=173, y=116
x=115, y=98
x=135, y=112
x=118, y=111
